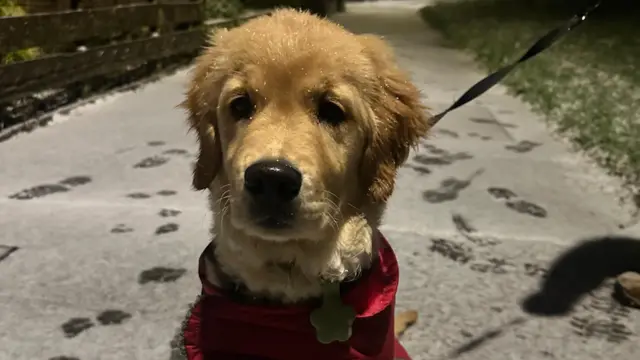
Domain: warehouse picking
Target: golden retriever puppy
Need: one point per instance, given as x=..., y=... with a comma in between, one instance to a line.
x=301, y=127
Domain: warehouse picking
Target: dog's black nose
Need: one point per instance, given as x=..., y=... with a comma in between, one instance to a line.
x=272, y=181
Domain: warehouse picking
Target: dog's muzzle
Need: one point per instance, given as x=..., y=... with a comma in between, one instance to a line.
x=273, y=186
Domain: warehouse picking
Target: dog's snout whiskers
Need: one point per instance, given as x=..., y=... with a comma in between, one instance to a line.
x=334, y=213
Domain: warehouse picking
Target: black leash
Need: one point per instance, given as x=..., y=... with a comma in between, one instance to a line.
x=542, y=44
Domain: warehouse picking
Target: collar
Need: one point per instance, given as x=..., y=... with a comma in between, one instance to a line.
x=238, y=292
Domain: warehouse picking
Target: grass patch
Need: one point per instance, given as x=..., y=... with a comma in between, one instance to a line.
x=216, y=9
x=10, y=8
x=587, y=85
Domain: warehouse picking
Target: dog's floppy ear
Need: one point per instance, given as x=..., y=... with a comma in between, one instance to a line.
x=209, y=157
x=400, y=121
x=201, y=104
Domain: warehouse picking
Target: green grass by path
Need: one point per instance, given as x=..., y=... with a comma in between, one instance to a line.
x=587, y=85
x=10, y=8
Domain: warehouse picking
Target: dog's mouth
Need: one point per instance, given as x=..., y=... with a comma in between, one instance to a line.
x=273, y=220
x=279, y=223
x=272, y=223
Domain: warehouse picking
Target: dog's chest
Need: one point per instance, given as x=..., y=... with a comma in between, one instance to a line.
x=220, y=328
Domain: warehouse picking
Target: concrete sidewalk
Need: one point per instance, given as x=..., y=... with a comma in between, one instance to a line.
x=490, y=199
x=102, y=233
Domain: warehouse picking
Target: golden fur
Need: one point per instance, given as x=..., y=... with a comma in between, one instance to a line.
x=285, y=62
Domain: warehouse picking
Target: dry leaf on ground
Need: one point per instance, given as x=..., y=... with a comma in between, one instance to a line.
x=404, y=320
x=630, y=284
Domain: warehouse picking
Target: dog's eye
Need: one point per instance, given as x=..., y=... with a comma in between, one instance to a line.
x=331, y=113
x=242, y=107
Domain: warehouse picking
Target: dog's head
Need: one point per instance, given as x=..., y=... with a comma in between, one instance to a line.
x=298, y=121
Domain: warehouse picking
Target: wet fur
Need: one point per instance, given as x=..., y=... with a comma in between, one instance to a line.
x=285, y=61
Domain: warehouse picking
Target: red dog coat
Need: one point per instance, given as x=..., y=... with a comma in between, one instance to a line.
x=220, y=329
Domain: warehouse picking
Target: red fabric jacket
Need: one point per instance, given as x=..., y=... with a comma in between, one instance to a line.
x=220, y=329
